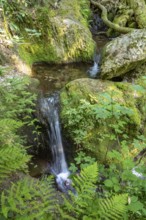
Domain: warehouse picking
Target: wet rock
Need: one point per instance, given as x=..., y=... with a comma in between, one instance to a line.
x=38, y=167
x=123, y=54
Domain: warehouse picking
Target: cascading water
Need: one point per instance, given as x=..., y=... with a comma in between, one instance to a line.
x=50, y=117
x=95, y=69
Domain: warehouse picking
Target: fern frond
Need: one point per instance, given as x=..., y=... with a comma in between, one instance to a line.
x=12, y=124
x=113, y=208
x=15, y=98
x=29, y=198
x=85, y=204
x=12, y=159
x=85, y=187
x=8, y=131
x=87, y=179
x=15, y=101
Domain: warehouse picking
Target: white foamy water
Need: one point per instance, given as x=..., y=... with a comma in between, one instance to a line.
x=49, y=110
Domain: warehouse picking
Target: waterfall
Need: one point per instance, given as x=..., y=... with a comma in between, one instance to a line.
x=50, y=116
x=95, y=69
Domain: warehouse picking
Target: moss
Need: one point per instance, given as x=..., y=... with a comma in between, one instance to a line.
x=37, y=52
x=121, y=20
x=78, y=117
x=139, y=9
x=119, y=56
x=57, y=35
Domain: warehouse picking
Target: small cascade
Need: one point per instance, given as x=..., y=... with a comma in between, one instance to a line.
x=50, y=117
x=137, y=174
x=95, y=69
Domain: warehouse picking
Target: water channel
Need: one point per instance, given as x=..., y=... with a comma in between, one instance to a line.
x=52, y=79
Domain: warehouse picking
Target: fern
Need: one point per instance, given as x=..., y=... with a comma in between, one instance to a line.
x=113, y=208
x=29, y=199
x=35, y=199
x=15, y=102
x=87, y=179
x=85, y=204
x=12, y=159
x=15, y=99
x=85, y=189
x=79, y=202
x=8, y=131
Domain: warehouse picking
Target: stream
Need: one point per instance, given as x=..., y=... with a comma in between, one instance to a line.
x=52, y=79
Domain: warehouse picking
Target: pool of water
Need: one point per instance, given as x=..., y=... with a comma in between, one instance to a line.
x=55, y=77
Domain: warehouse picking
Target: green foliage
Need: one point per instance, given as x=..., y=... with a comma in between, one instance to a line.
x=120, y=179
x=85, y=203
x=32, y=32
x=12, y=160
x=2, y=70
x=102, y=116
x=85, y=9
x=29, y=198
x=113, y=117
x=13, y=9
x=15, y=98
x=15, y=112
x=25, y=23
x=85, y=182
x=81, y=161
x=25, y=197
x=113, y=208
x=36, y=199
x=16, y=14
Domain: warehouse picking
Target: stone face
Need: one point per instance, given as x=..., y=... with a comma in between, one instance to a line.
x=92, y=110
x=123, y=54
x=61, y=34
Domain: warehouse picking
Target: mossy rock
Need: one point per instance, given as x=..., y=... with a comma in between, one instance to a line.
x=57, y=34
x=92, y=111
x=123, y=54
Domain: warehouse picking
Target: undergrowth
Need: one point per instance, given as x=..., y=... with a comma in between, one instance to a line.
x=16, y=107
x=96, y=119
x=28, y=198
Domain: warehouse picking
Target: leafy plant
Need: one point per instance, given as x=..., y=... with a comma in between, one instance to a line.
x=37, y=199
x=94, y=119
x=81, y=161
x=119, y=177
x=12, y=160
x=29, y=198
x=16, y=103
x=102, y=116
x=85, y=203
x=14, y=14
x=32, y=32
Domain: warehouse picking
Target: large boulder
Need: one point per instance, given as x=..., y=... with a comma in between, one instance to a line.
x=57, y=33
x=98, y=114
x=123, y=54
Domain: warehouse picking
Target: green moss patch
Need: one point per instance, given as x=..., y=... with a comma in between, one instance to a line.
x=56, y=34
